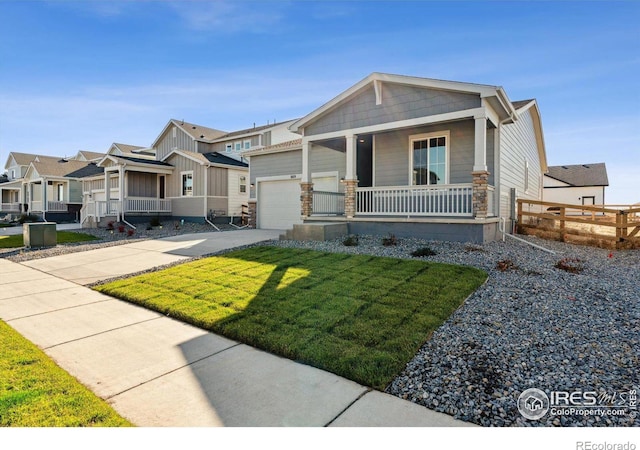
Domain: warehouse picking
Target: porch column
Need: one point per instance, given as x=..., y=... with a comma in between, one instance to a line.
x=480, y=144
x=44, y=195
x=480, y=173
x=351, y=178
x=306, y=183
x=121, y=173
x=252, y=213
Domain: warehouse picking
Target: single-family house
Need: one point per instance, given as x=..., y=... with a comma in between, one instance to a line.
x=53, y=188
x=404, y=155
x=576, y=184
x=16, y=194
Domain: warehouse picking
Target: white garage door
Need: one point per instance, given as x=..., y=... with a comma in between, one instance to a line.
x=279, y=201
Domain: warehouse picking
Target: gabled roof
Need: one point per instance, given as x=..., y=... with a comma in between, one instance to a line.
x=23, y=159
x=213, y=158
x=88, y=156
x=580, y=175
x=520, y=103
x=286, y=146
x=376, y=79
x=89, y=170
x=196, y=132
x=59, y=168
x=254, y=130
x=532, y=105
x=126, y=148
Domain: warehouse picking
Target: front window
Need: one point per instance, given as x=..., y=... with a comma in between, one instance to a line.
x=246, y=144
x=243, y=185
x=238, y=146
x=61, y=192
x=187, y=184
x=228, y=148
x=429, y=159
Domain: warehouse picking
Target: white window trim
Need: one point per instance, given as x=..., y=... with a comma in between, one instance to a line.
x=228, y=147
x=420, y=137
x=182, y=190
x=244, y=144
x=526, y=176
x=237, y=146
x=241, y=183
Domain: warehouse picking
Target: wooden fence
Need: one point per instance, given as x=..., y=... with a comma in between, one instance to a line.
x=602, y=226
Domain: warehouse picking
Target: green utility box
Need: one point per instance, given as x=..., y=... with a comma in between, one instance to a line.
x=40, y=234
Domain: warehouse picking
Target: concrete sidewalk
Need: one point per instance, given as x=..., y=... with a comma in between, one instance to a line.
x=156, y=371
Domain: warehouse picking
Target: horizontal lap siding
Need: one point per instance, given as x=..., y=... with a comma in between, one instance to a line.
x=400, y=102
x=518, y=142
x=392, y=153
x=237, y=198
x=275, y=164
x=324, y=159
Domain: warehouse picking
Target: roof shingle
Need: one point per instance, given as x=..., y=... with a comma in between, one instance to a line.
x=581, y=174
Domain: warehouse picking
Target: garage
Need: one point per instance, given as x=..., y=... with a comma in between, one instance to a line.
x=279, y=201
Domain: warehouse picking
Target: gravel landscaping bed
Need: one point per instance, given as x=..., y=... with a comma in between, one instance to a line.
x=531, y=325
x=108, y=238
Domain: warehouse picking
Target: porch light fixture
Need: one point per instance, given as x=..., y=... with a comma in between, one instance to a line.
x=252, y=185
x=342, y=180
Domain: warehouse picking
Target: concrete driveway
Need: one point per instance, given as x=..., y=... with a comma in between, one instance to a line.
x=109, y=262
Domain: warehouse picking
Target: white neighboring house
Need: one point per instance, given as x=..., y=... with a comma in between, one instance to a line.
x=577, y=184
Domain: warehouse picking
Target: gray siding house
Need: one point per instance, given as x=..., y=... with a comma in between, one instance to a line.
x=405, y=155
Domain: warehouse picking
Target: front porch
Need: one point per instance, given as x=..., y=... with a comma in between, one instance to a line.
x=98, y=210
x=439, y=201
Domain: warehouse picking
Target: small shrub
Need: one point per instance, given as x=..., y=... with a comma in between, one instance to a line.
x=473, y=248
x=149, y=228
x=121, y=228
x=177, y=225
x=130, y=232
x=571, y=265
x=390, y=240
x=110, y=225
x=506, y=265
x=423, y=251
x=351, y=241
x=155, y=222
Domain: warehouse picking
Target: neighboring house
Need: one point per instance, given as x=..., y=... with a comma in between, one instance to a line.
x=135, y=184
x=13, y=193
x=404, y=155
x=84, y=155
x=578, y=184
x=53, y=188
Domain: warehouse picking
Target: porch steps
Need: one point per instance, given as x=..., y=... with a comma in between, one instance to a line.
x=317, y=231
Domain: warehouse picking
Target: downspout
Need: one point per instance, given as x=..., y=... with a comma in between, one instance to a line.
x=206, y=188
x=122, y=197
x=44, y=199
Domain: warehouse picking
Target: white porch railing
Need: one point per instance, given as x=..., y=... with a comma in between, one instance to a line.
x=100, y=209
x=57, y=206
x=148, y=205
x=10, y=207
x=328, y=202
x=435, y=200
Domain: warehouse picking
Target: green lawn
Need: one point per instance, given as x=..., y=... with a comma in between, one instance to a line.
x=361, y=317
x=64, y=237
x=35, y=392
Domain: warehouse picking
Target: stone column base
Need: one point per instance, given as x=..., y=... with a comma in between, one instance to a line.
x=350, y=198
x=253, y=213
x=480, y=199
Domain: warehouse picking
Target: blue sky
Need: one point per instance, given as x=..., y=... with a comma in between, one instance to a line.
x=83, y=74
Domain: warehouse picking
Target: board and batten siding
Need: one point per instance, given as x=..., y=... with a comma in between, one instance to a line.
x=217, y=181
x=392, y=153
x=400, y=102
x=168, y=143
x=174, y=182
x=518, y=147
x=142, y=184
x=75, y=191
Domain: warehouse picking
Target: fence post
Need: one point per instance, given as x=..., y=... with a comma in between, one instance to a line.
x=563, y=211
x=519, y=216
